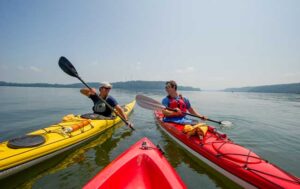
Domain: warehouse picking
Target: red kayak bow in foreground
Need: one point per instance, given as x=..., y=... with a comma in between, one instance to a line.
x=141, y=166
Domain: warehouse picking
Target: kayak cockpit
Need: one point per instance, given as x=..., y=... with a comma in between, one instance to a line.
x=94, y=116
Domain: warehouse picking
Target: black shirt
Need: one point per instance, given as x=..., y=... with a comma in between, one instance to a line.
x=100, y=107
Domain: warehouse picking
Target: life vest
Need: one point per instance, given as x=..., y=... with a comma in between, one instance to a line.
x=101, y=108
x=177, y=103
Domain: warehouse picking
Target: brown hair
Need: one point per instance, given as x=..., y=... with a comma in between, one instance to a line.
x=172, y=83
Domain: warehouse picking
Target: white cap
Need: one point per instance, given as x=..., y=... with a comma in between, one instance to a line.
x=105, y=84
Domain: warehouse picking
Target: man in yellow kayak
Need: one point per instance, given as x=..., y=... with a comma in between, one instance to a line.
x=99, y=106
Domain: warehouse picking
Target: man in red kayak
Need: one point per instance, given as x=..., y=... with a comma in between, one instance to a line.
x=176, y=101
x=100, y=107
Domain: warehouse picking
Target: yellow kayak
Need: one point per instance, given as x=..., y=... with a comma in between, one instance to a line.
x=78, y=155
x=23, y=152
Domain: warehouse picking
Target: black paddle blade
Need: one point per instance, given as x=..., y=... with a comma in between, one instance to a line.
x=67, y=67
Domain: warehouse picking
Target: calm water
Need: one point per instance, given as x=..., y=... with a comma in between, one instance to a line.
x=268, y=124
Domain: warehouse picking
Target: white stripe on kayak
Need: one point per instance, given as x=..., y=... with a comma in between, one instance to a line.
x=210, y=163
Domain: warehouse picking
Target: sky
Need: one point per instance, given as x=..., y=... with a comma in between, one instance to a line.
x=206, y=44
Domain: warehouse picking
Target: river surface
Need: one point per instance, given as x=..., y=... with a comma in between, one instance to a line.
x=267, y=123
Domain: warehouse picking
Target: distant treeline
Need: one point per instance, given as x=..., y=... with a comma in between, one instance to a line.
x=282, y=88
x=134, y=85
x=156, y=85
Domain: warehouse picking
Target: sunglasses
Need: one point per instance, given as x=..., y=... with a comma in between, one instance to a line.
x=168, y=87
x=107, y=88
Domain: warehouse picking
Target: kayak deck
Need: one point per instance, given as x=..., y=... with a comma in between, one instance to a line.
x=57, y=140
x=141, y=166
x=234, y=161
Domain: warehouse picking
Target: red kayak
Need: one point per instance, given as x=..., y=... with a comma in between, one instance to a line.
x=141, y=166
x=232, y=160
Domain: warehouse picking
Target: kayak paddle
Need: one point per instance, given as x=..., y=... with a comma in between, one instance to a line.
x=69, y=69
x=151, y=104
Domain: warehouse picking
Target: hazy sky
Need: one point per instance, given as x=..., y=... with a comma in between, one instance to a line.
x=206, y=44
